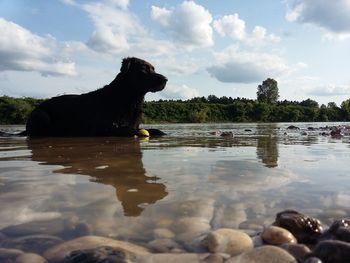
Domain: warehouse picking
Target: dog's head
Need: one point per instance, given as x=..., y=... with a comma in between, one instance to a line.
x=139, y=75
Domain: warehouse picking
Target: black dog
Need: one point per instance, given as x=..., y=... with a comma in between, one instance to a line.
x=114, y=110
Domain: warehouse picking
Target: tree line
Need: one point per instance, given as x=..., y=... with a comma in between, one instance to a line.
x=266, y=108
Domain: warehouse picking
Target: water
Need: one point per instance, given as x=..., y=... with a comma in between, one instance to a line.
x=187, y=183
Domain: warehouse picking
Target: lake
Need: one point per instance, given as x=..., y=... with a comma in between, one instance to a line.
x=178, y=186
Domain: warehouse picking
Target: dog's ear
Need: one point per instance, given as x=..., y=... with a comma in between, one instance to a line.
x=125, y=65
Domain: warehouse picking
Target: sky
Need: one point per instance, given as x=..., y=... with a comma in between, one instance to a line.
x=223, y=47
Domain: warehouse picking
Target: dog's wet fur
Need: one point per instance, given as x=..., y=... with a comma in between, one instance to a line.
x=114, y=110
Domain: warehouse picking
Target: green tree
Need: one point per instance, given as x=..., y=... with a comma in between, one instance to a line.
x=345, y=106
x=268, y=91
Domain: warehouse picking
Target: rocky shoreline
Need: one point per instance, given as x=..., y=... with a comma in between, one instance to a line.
x=292, y=237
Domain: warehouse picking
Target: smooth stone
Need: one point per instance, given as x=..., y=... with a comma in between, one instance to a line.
x=299, y=251
x=304, y=228
x=33, y=243
x=202, y=208
x=9, y=253
x=228, y=241
x=59, y=252
x=266, y=254
x=30, y=258
x=332, y=251
x=173, y=258
x=163, y=233
x=163, y=245
x=275, y=235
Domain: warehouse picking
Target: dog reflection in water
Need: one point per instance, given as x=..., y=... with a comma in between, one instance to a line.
x=112, y=161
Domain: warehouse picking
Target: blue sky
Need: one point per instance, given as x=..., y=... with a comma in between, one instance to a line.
x=226, y=47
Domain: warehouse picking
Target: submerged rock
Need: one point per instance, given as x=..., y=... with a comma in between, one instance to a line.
x=228, y=241
x=102, y=254
x=61, y=251
x=306, y=229
x=9, y=253
x=292, y=127
x=32, y=243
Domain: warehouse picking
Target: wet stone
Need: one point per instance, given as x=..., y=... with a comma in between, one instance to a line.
x=313, y=260
x=266, y=254
x=305, y=229
x=30, y=258
x=228, y=241
x=332, y=251
x=275, y=235
x=340, y=229
x=32, y=243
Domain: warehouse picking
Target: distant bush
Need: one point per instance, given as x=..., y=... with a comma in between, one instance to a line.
x=16, y=110
x=205, y=109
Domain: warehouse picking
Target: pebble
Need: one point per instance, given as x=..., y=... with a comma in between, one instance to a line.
x=299, y=251
x=30, y=258
x=59, y=252
x=275, y=235
x=332, y=251
x=266, y=254
x=228, y=241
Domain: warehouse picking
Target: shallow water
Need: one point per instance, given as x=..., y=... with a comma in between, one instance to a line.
x=187, y=182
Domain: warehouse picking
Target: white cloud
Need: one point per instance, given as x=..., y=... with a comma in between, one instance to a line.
x=230, y=25
x=234, y=27
x=119, y=3
x=330, y=90
x=188, y=24
x=246, y=67
x=179, y=92
x=332, y=16
x=21, y=50
x=113, y=28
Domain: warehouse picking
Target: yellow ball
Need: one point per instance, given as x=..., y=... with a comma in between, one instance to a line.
x=144, y=133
